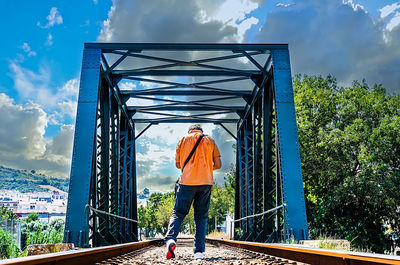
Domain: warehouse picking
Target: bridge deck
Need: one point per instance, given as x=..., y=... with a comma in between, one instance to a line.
x=215, y=254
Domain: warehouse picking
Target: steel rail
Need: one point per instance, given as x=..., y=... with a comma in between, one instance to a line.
x=291, y=252
x=311, y=255
x=82, y=256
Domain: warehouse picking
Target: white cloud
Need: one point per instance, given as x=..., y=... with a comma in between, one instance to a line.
x=168, y=21
x=235, y=13
x=330, y=37
x=36, y=87
x=389, y=9
x=22, y=141
x=394, y=22
x=127, y=85
x=95, y=2
x=49, y=40
x=283, y=5
x=26, y=48
x=54, y=18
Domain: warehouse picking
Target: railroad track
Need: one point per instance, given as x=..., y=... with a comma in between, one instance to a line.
x=218, y=252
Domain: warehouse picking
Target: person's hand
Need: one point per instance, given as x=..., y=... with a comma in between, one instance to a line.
x=217, y=163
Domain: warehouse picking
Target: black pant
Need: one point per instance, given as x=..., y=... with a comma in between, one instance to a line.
x=200, y=196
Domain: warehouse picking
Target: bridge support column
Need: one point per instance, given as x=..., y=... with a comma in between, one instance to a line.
x=85, y=131
x=288, y=146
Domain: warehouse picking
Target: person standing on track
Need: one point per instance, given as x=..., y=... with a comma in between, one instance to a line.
x=197, y=156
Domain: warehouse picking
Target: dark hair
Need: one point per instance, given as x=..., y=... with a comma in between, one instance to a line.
x=195, y=127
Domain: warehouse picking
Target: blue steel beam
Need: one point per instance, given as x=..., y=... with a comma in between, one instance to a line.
x=176, y=62
x=142, y=132
x=189, y=102
x=185, y=116
x=84, y=140
x=293, y=193
x=174, y=107
x=238, y=93
x=190, y=64
x=116, y=92
x=185, y=120
x=182, y=85
x=109, y=47
x=228, y=131
x=257, y=91
x=126, y=73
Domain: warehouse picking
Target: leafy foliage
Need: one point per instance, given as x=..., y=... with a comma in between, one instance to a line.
x=350, y=145
x=156, y=215
x=5, y=213
x=221, y=203
x=8, y=247
x=29, y=181
x=34, y=231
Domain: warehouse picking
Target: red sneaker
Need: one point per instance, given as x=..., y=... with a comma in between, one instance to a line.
x=171, y=246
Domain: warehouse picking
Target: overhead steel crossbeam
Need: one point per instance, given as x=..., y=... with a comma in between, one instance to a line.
x=127, y=84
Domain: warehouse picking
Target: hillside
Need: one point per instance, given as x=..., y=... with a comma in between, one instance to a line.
x=28, y=181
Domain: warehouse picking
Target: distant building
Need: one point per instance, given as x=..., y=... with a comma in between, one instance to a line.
x=49, y=205
x=12, y=205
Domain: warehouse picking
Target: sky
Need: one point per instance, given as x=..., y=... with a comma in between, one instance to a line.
x=42, y=48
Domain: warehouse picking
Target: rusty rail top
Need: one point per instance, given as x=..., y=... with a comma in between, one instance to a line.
x=292, y=252
x=83, y=256
x=312, y=255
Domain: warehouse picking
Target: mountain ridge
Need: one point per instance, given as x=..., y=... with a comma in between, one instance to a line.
x=30, y=181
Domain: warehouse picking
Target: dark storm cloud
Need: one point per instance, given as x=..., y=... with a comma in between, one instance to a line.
x=329, y=37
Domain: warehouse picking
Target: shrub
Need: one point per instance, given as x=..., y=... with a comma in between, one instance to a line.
x=8, y=247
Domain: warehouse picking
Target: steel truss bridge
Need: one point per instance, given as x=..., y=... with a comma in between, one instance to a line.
x=127, y=87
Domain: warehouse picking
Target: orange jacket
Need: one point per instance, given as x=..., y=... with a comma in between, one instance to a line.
x=199, y=169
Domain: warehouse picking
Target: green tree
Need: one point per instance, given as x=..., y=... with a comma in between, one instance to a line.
x=221, y=203
x=35, y=231
x=350, y=149
x=147, y=215
x=6, y=213
x=163, y=213
x=8, y=247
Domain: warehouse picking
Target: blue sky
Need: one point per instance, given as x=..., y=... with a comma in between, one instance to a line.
x=42, y=52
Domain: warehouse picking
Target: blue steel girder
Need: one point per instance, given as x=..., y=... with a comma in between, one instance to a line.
x=81, y=169
x=174, y=62
x=103, y=171
x=268, y=159
x=203, y=92
x=242, y=182
x=293, y=193
x=248, y=143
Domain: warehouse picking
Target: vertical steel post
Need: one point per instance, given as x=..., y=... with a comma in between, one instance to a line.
x=268, y=166
x=104, y=175
x=82, y=157
x=238, y=205
x=133, y=198
x=249, y=139
x=292, y=180
x=242, y=182
x=114, y=170
x=258, y=170
x=123, y=157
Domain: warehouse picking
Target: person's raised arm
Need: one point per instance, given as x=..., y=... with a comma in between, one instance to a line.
x=216, y=157
x=217, y=162
x=177, y=155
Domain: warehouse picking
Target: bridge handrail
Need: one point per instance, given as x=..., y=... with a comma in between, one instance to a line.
x=111, y=214
x=255, y=215
x=258, y=214
x=88, y=207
